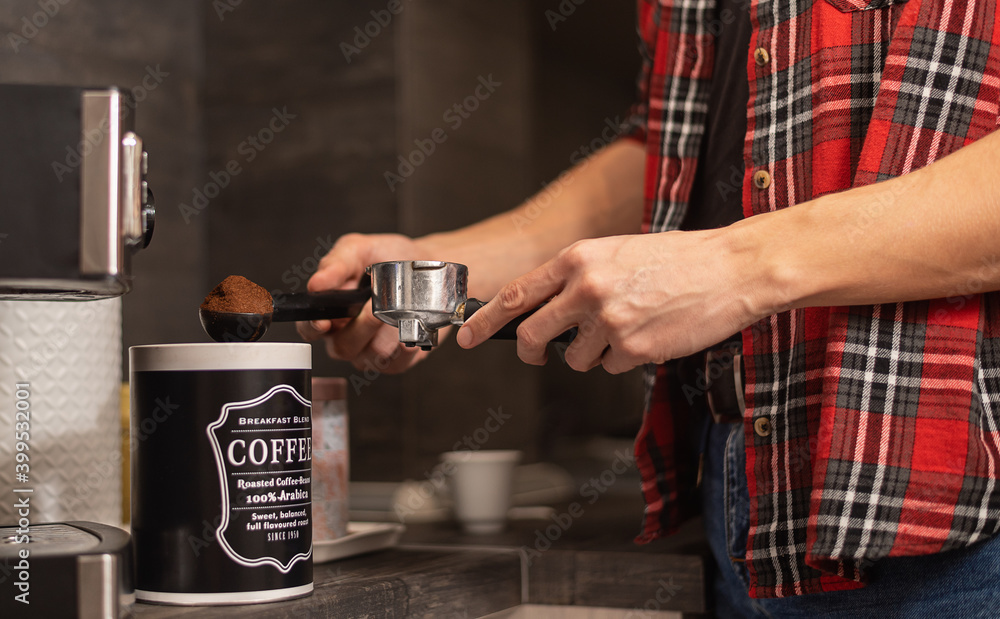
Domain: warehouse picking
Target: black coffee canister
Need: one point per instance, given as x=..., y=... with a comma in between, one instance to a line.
x=221, y=472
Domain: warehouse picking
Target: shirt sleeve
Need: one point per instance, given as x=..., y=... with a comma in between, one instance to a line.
x=634, y=125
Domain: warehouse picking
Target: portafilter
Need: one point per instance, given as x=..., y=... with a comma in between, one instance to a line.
x=420, y=297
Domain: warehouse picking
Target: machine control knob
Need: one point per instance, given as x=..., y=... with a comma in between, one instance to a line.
x=148, y=216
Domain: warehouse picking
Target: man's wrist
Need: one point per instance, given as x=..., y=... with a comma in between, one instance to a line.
x=772, y=250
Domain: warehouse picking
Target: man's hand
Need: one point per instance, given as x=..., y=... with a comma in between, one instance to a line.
x=601, y=196
x=364, y=340
x=928, y=234
x=635, y=299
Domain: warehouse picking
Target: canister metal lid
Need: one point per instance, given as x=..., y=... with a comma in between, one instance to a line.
x=221, y=356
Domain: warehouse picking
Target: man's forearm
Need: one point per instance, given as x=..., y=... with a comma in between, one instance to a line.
x=929, y=234
x=603, y=195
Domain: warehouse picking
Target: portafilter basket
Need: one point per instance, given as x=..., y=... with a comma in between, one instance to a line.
x=419, y=297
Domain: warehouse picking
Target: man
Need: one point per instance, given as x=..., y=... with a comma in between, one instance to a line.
x=857, y=277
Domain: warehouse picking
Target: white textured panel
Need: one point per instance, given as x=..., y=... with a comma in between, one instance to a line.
x=70, y=353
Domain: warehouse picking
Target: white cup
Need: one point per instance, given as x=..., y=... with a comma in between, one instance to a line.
x=480, y=484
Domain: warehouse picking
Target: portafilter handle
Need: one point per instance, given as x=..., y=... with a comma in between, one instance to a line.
x=509, y=330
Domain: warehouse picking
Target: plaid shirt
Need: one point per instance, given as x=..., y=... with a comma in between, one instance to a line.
x=884, y=420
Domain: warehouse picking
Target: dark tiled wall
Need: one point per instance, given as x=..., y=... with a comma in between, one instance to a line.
x=317, y=178
x=288, y=139
x=477, y=56
x=585, y=61
x=325, y=175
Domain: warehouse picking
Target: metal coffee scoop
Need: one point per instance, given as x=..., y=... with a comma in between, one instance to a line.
x=422, y=296
x=250, y=327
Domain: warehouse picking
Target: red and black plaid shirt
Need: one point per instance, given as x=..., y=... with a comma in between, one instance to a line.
x=885, y=420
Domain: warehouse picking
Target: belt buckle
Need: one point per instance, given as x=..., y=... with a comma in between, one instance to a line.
x=721, y=413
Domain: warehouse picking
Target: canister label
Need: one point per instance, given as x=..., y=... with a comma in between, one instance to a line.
x=221, y=485
x=263, y=453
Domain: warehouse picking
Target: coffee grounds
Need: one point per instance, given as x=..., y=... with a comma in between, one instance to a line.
x=238, y=294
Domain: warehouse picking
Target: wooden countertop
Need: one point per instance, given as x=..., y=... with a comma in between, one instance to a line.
x=439, y=571
x=392, y=583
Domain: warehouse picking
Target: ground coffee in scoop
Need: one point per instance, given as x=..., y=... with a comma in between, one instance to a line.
x=238, y=294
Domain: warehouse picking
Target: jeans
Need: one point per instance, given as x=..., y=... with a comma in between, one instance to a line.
x=957, y=583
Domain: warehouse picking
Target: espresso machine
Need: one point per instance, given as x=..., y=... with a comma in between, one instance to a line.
x=74, y=208
x=74, y=203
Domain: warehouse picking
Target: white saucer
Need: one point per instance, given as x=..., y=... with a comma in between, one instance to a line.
x=361, y=537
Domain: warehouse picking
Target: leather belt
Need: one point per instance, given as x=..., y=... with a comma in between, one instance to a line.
x=724, y=378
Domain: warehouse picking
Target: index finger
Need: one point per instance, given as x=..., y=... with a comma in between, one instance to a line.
x=342, y=264
x=519, y=296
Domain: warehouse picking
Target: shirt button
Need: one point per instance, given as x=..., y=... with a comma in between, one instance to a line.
x=761, y=179
x=761, y=57
x=762, y=426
